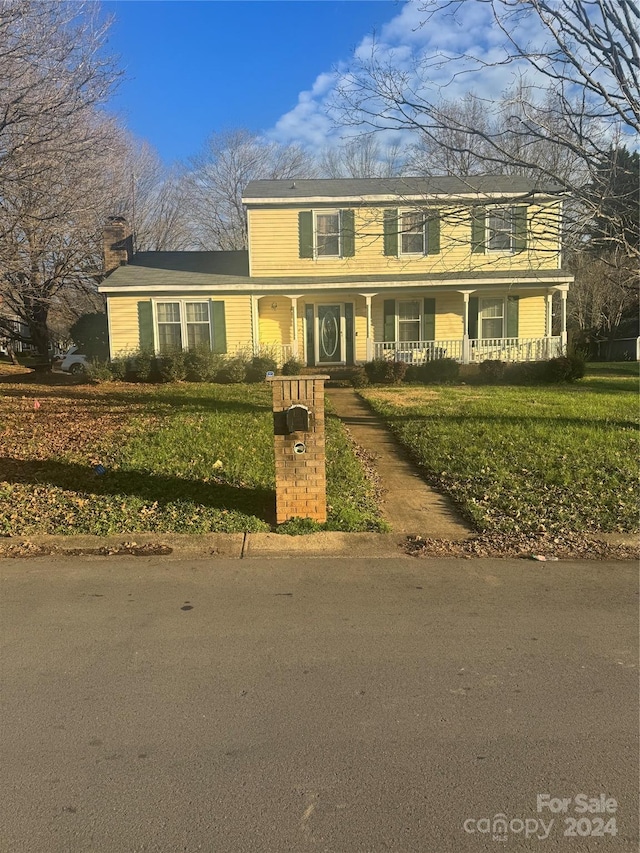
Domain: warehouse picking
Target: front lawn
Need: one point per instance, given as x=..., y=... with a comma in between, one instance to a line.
x=528, y=459
x=184, y=458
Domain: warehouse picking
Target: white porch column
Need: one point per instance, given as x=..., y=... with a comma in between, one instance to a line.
x=466, y=355
x=563, y=318
x=548, y=317
x=370, y=348
x=255, y=325
x=294, y=320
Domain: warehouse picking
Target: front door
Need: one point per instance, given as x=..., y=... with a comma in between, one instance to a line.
x=329, y=335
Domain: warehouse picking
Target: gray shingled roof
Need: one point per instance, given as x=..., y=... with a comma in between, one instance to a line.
x=172, y=271
x=355, y=188
x=209, y=263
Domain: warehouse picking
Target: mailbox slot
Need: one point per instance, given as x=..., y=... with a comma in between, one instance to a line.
x=298, y=418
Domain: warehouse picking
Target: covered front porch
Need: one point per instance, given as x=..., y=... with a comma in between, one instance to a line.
x=470, y=326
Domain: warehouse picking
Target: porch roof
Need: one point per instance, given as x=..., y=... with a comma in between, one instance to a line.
x=228, y=272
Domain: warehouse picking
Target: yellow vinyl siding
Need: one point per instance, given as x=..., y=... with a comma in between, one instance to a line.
x=449, y=313
x=531, y=316
x=275, y=322
x=123, y=319
x=124, y=335
x=274, y=246
x=237, y=312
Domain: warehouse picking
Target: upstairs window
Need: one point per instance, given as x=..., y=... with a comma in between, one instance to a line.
x=326, y=234
x=499, y=229
x=413, y=233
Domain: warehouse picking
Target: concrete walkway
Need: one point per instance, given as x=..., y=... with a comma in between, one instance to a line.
x=410, y=505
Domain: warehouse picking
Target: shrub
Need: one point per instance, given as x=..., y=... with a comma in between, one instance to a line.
x=203, y=365
x=525, y=372
x=143, y=366
x=359, y=378
x=234, y=369
x=99, y=371
x=492, y=370
x=562, y=369
x=439, y=370
x=292, y=367
x=257, y=369
x=120, y=369
x=172, y=366
x=566, y=368
x=383, y=372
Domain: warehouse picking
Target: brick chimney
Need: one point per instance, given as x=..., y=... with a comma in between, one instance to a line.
x=117, y=243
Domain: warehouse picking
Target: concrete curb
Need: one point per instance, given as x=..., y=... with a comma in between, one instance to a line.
x=227, y=545
x=180, y=546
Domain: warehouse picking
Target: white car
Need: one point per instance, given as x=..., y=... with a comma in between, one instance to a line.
x=72, y=362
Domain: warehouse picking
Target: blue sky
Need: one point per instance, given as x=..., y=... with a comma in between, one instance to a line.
x=192, y=68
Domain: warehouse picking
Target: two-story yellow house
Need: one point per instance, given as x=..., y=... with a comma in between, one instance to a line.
x=343, y=271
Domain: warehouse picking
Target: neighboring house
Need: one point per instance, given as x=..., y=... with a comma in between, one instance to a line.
x=343, y=271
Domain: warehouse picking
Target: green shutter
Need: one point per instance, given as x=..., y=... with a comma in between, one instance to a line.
x=389, y=320
x=474, y=307
x=305, y=233
x=348, y=329
x=391, y=233
x=513, y=306
x=478, y=222
x=310, y=336
x=145, y=325
x=429, y=320
x=219, y=327
x=433, y=234
x=347, y=226
x=520, y=228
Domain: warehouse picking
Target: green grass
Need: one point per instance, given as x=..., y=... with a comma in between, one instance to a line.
x=528, y=459
x=186, y=458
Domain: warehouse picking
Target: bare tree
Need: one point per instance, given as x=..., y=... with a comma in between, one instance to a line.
x=217, y=178
x=52, y=69
x=151, y=197
x=603, y=296
x=54, y=160
x=576, y=97
x=362, y=157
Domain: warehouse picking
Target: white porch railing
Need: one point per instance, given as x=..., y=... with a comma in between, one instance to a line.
x=501, y=349
x=418, y=352
x=514, y=349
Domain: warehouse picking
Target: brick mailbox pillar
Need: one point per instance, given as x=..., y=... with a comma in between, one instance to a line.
x=298, y=420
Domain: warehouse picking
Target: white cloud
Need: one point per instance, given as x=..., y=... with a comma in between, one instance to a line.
x=406, y=42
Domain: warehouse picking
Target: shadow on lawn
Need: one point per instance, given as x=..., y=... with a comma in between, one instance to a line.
x=150, y=487
x=150, y=401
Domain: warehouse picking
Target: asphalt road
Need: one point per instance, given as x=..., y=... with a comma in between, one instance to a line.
x=317, y=705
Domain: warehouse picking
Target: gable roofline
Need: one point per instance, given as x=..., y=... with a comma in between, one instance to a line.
x=395, y=190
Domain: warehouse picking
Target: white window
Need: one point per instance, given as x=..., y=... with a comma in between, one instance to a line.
x=409, y=320
x=413, y=233
x=169, y=326
x=491, y=318
x=327, y=233
x=500, y=229
x=182, y=325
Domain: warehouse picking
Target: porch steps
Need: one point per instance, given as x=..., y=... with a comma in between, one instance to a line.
x=410, y=505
